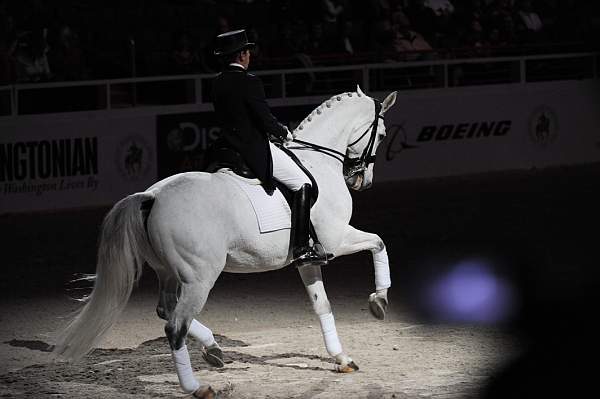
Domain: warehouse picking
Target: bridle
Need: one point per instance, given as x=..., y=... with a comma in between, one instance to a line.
x=356, y=165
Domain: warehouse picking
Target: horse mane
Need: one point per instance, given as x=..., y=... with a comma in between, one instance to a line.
x=327, y=104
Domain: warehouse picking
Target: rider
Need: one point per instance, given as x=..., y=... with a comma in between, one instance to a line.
x=246, y=122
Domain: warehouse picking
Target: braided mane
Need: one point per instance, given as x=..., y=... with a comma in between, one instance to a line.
x=325, y=105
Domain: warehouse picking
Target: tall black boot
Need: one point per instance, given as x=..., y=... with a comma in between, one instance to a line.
x=304, y=254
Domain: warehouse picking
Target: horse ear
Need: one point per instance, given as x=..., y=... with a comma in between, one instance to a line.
x=359, y=91
x=388, y=102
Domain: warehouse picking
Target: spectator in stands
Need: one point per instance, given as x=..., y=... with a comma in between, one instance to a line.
x=184, y=58
x=499, y=9
x=409, y=45
x=318, y=43
x=209, y=63
x=508, y=31
x=331, y=15
x=259, y=52
x=283, y=44
x=475, y=35
x=65, y=57
x=474, y=10
x=374, y=15
x=7, y=49
x=440, y=7
x=548, y=13
x=302, y=36
x=530, y=24
x=424, y=20
x=8, y=46
x=382, y=45
x=496, y=40
x=347, y=43
x=31, y=58
x=291, y=46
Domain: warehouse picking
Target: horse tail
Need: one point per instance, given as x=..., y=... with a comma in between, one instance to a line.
x=123, y=247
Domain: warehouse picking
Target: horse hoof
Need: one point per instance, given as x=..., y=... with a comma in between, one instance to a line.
x=213, y=356
x=348, y=368
x=205, y=392
x=377, y=306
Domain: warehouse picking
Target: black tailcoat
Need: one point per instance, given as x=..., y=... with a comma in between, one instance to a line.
x=246, y=119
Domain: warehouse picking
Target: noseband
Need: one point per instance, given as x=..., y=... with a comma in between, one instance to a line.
x=352, y=166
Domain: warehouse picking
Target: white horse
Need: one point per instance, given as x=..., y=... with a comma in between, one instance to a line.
x=192, y=226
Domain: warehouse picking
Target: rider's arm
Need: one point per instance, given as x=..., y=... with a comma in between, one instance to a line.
x=260, y=111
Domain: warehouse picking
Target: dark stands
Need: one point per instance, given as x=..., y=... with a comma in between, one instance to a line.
x=78, y=40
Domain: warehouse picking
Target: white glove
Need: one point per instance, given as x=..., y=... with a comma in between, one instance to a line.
x=289, y=137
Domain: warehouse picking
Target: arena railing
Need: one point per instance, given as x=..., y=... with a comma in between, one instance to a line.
x=289, y=84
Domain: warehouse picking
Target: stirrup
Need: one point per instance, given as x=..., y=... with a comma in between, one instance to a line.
x=314, y=255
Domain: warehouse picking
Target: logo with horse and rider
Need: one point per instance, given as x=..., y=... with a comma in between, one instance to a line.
x=543, y=126
x=133, y=157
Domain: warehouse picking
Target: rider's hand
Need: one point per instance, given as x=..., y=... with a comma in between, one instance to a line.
x=289, y=137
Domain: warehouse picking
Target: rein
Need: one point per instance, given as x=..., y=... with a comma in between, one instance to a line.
x=352, y=166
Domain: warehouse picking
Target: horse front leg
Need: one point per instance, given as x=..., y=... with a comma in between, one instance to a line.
x=313, y=281
x=355, y=241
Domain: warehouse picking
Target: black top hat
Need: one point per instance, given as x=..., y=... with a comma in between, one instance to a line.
x=230, y=42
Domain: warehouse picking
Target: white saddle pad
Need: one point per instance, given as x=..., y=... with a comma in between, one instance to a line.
x=272, y=211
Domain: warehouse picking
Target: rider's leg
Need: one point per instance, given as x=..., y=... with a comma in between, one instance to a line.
x=304, y=253
x=287, y=172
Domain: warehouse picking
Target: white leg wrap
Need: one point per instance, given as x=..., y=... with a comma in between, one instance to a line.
x=332, y=342
x=382, y=270
x=183, y=366
x=201, y=333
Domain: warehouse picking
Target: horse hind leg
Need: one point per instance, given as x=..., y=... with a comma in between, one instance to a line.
x=168, y=292
x=191, y=300
x=168, y=297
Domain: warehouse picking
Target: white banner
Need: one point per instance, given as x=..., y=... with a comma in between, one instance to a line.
x=476, y=130
x=70, y=161
x=84, y=159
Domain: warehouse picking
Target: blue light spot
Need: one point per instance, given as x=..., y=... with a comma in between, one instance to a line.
x=471, y=292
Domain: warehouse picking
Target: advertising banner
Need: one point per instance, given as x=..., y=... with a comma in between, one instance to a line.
x=182, y=139
x=58, y=164
x=478, y=130
x=87, y=159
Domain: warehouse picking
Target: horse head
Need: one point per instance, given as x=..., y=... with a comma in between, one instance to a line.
x=348, y=127
x=360, y=154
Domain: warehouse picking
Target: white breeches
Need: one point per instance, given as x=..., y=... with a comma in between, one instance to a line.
x=286, y=171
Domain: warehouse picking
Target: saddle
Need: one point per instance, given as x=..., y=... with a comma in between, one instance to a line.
x=221, y=155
